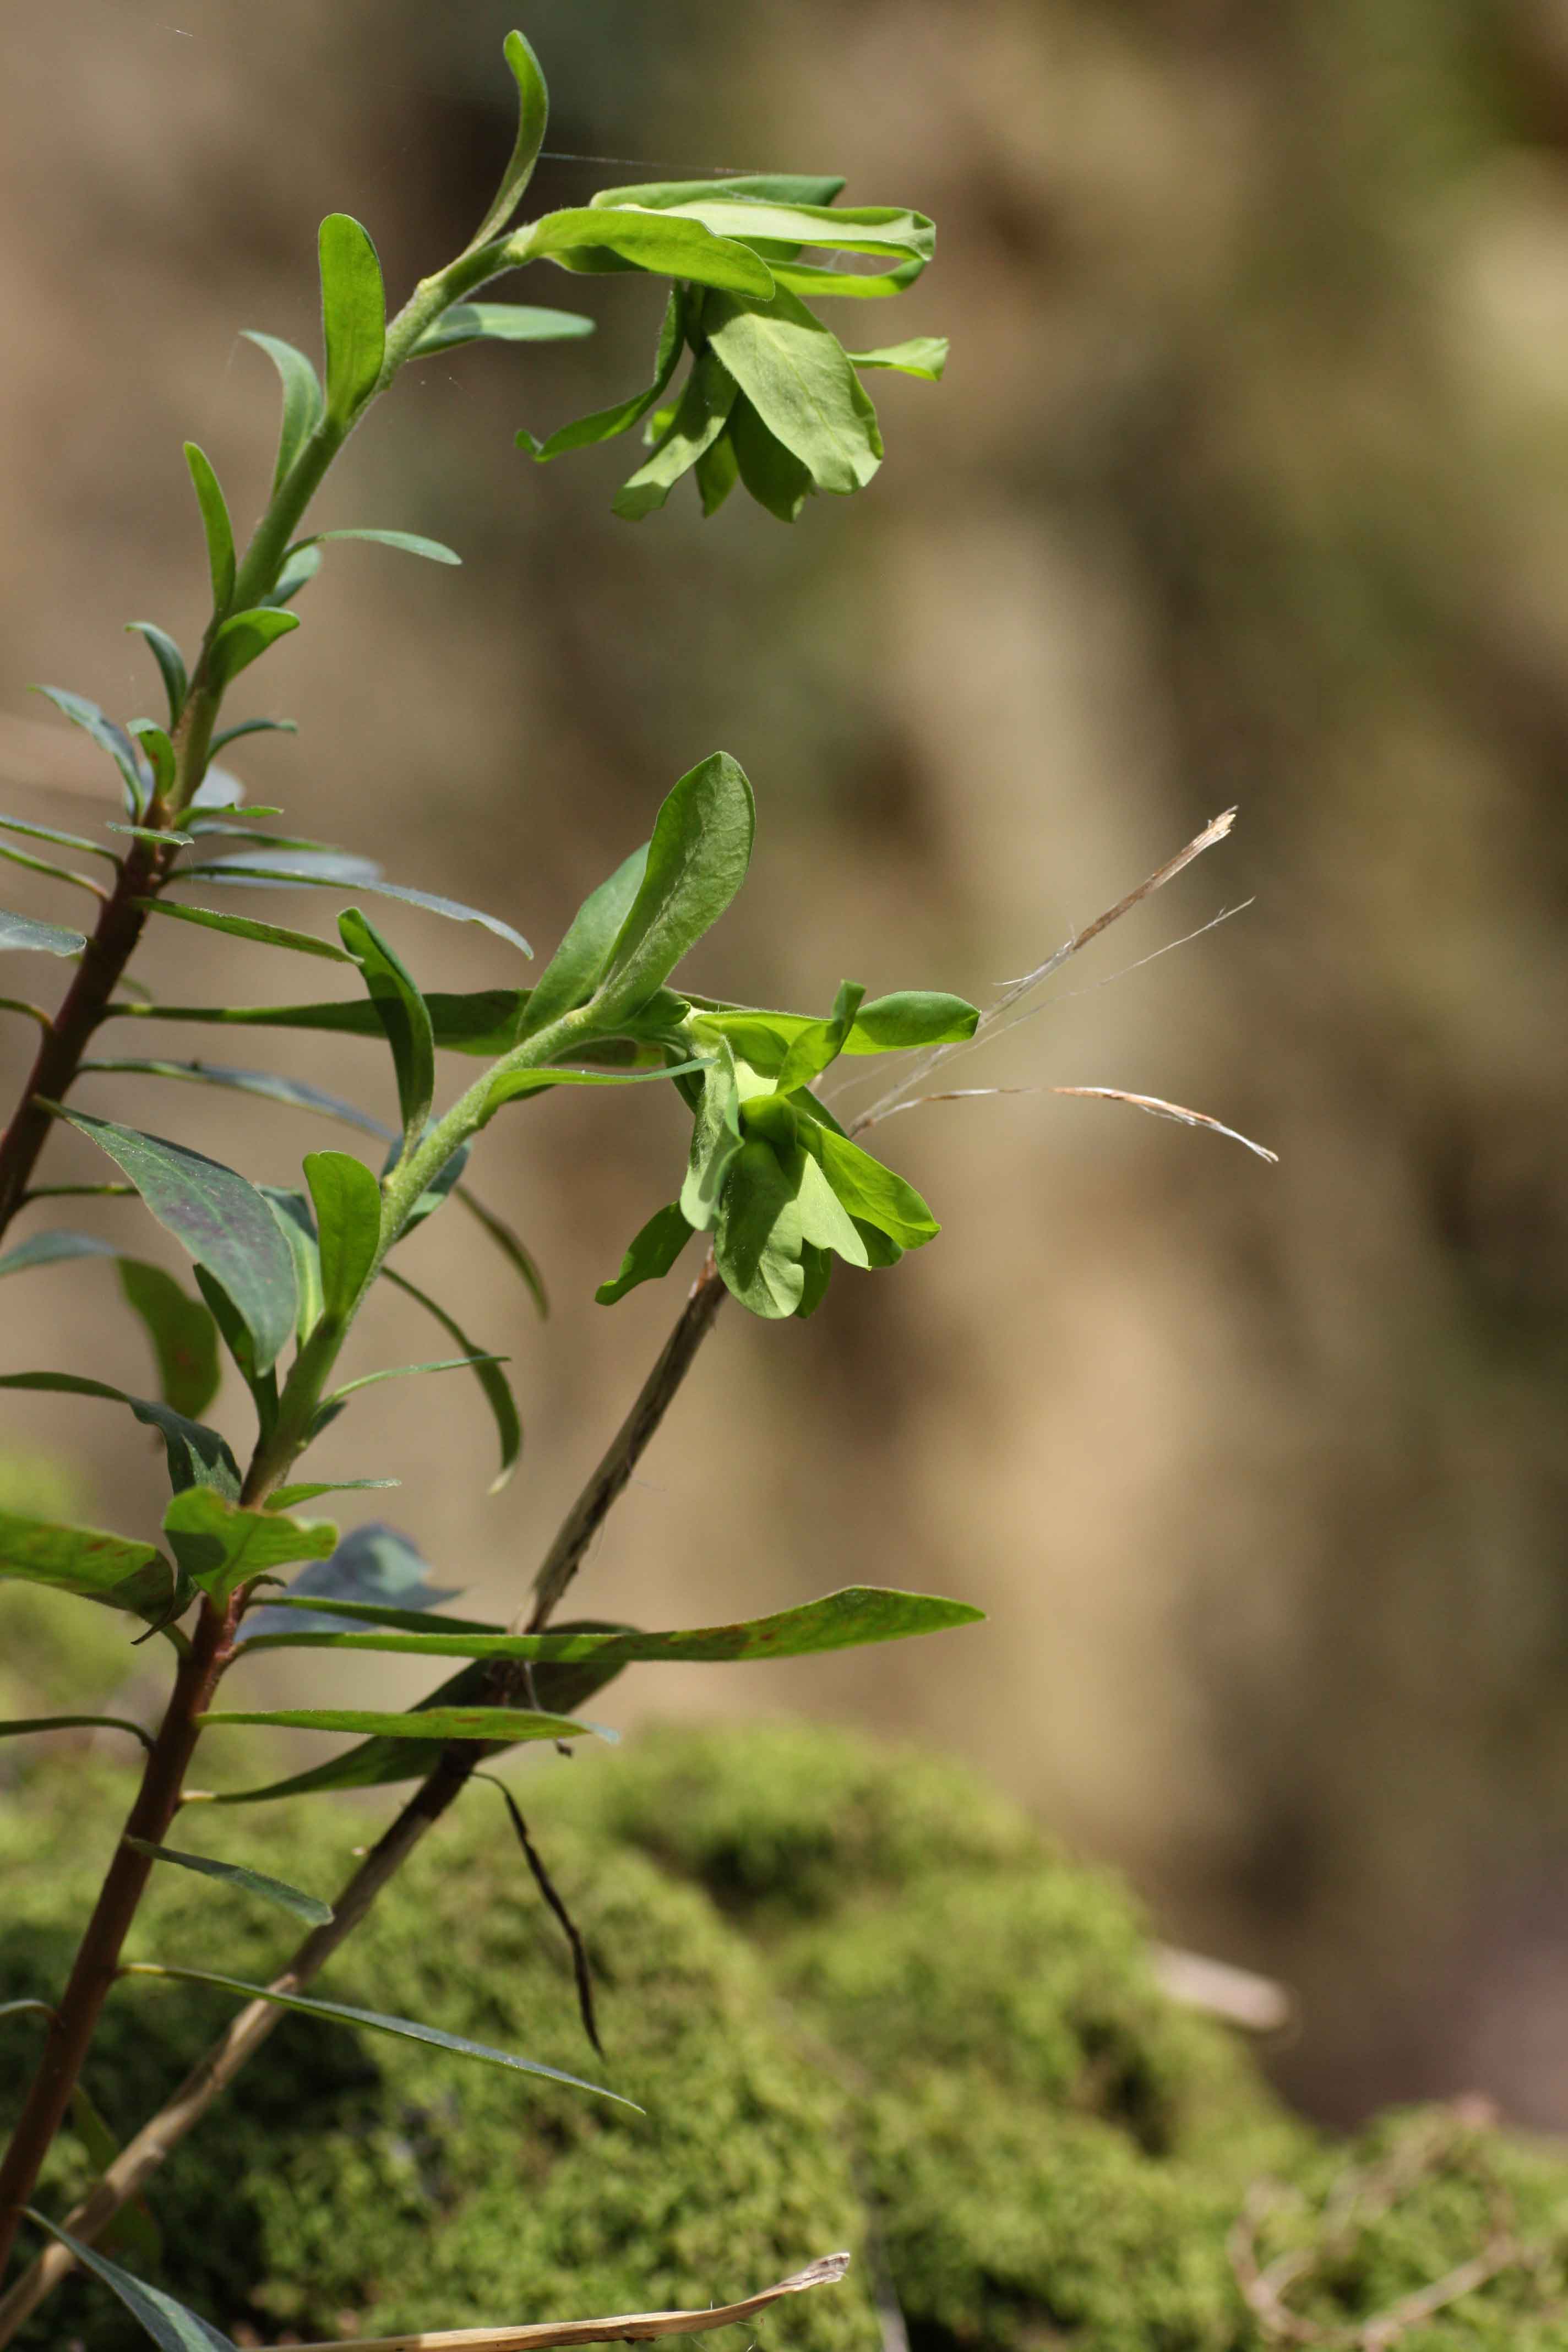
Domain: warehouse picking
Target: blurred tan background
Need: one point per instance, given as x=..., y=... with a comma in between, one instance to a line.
x=1249, y=482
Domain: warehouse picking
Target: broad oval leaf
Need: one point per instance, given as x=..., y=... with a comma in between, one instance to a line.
x=170, y=664
x=275, y=1891
x=168, y=2323
x=243, y=638
x=222, y=1221
x=697, y=861
x=184, y=1336
x=219, y=1544
x=533, y=115
x=575, y=971
x=657, y=241
x=303, y=401
x=96, y=1566
x=347, y=1200
x=409, y=541
x=486, y=1371
x=650, y=1253
x=499, y=322
x=25, y=931
x=215, y=524
x=401, y=1010
x=798, y=379
x=716, y=1142
x=353, y=315
x=757, y=1237
x=341, y=2013
x=870, y=1192
x=910, y=1018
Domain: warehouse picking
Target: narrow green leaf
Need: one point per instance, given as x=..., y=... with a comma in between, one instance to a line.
x=109, y=1568
x=158, y=753
x=107, y=736
x=513, y=1086
x=220, y=1546
x=510, y=1246
x=53, y=833
x=870, y=1191
x=818, y=1047
x=284, y=1498
x=297, y=1223
x=159, y=835
x=718, y=471
x=168, y=2323
x=606, y=424
x=74, y=1723
x=409, y=541
x=757, y=1237
x=299, y=567
x=770, y=187
x=510, y=1723
x=184, y=1336
x=133, y=2231
x=348, y=1221
x=923, y=355
x=44, y=939
x=218, y=1217
x=650, y=1253
x=170, y=664
x=401, y=1010
x=813, y=282
x=699, y=420
x=293, y=1093
x=255, y=727
x=283, y=1897
x=794, y=372
x=499, y=322
x=533, y=115
x=487, y=1372
x=697, y=861
x=302, y=397
x=353, y=316
x=485, y=1022
x=575, y=971
x=332, y=1405
x=881, y=229
x=197, y=1456
x=341, y=2013
x=330, y=869
x=216, y=523
x=320, y=1610
x=243, y=638
x=853, y=1619
x=245, y=927
x=657, y=241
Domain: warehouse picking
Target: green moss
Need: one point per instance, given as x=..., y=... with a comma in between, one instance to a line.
x=847, y=1985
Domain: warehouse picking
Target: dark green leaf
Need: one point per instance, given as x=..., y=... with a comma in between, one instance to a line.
x=513, y=1086
x=794, y=372
x=657, y=241
x=575, y=971
x=870, y=1192
x=107, y=736
x=757, y=1237
x=533, y=114
x=859, y=1616
x=220, y=1546
x=487, y=1372
x=236, y=1335
x=353, y=316
x=245, y=927
x=401, y=1010
x=168, y=2323
x=717, y=474
x=606, y=424
x=697, y=422
x=509, y=1724
x=46, y=938
x=484, y=1021
x=183, y=1337
x=197, y=1456
x=253, y=727
x=302, y=397
x=339, y=2013
x=170, y=664
x=924, y=355
x=374, y=1763
x=133, y=2231
x=817, y=1048
x=283, y=1897
x=409, y=541
x=216, y=523
x=348, y=1221
x=817, y=1265
x=84, y=1561
x=499, y=322
x=697, y=861
x=73, y=1723
x=217, y=1216
x=243, y=638
x=269, y=1084
x=911, y=1017
x=159, y=753
x=649, y=1255
x=716, y=1142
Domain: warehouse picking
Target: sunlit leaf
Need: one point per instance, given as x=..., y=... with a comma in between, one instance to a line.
x=508, y=1723
x=243, y=638
x=657, y=241
x=716, y=1142
x=768, y=187
x=575, y=971
x=53, y=833
x=217, y=1216
x=794, y=372
x=297, y=1223
x=302, y=397
x=339, y=2013
x=283, y=1897
x=868, y=1191
x=252, y=726
x=818, y=1047
x=606, y=424
x=284, y=1498
x=347, y=1201
x=487, y=1372
x=697, y=422
x=401, y=1010
x=499, y=322
x=757, y=1236
x=697, y=861
x=113, y=1570
x=353, y=316
x=215, y=524
x=245, y=927
x=409, y=541
x=533, y=115
x=218, y=1545
x=923, y=355
x=299, y=567
x=170, y=664
x=513, y=1086
x=650, y=1253
x=881, y=229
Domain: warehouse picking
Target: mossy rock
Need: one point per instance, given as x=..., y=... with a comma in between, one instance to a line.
x=863, y=2004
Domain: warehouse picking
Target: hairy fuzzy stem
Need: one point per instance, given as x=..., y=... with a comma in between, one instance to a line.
x=98, y=1955
x=142, y=2156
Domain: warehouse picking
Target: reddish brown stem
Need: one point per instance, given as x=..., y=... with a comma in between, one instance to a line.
x=67, y=1038
x=98, y=1956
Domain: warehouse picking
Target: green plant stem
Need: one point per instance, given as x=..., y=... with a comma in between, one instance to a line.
x=98, y=1955
x=212, y=2074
